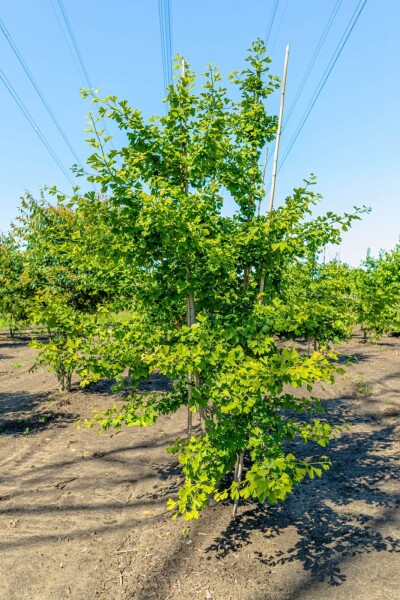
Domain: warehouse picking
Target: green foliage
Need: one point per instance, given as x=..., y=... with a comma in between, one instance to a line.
x=14, y=291
x=247, y=409
x=60, y=252
x=151, y=275
x=317, y=301
x=165, y=192
x=73, y=285
x=68, y=335
x=378, y=290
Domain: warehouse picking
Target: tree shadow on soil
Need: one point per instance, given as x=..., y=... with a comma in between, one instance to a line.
x=354, y=358
x=13, y=343
x=154, y=383
x=103, y=386
x=6, y=341
x=337, y=516
x=26, y=413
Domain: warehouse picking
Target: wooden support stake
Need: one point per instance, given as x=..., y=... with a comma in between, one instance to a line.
x=263, y=181
x=275, y=164
x=278, y=135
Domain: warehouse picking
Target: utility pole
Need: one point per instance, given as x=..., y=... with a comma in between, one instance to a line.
x=263, y=182
x=278, y=135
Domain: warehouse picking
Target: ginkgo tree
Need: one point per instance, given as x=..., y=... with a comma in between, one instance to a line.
x=378, y=289
x=322, y=302
x=15, y=290
x=71, y=291
x=206, y=297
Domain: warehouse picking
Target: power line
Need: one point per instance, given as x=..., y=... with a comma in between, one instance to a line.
x=314, y=58
x=165, y=18
x=271, y=21
x=311, y=63
x=37, y=89
x=338, y=51
x=168, y=31
x=34, y=125
x=85, y=72
x=162, y=38
x=66, y=38
x=75, y=43
x=279, y=26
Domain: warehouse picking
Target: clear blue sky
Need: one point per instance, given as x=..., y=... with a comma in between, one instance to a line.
x=351, y=139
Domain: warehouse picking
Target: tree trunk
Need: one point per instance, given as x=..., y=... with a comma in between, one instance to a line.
x=238, y=479
x=190, y=319
x=261, y=289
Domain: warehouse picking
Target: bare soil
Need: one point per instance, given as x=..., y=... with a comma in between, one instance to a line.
x=83, y=516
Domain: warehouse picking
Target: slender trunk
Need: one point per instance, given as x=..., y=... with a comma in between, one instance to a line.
x=190, y=310
x=246, y=277
x=12, y=327
x=261, y=289
x=239, y=459
x=68, y=381
x=202, y=411
x=190, y=319
x=238, y=479
x=61, y=381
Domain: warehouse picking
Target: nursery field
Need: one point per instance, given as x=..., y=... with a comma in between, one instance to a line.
x=84, y=517
x=172, y=325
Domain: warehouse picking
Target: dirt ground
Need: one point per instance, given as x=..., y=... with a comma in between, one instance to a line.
x=83, y=516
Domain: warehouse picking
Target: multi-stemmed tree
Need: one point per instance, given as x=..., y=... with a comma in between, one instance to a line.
x=207, y=294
